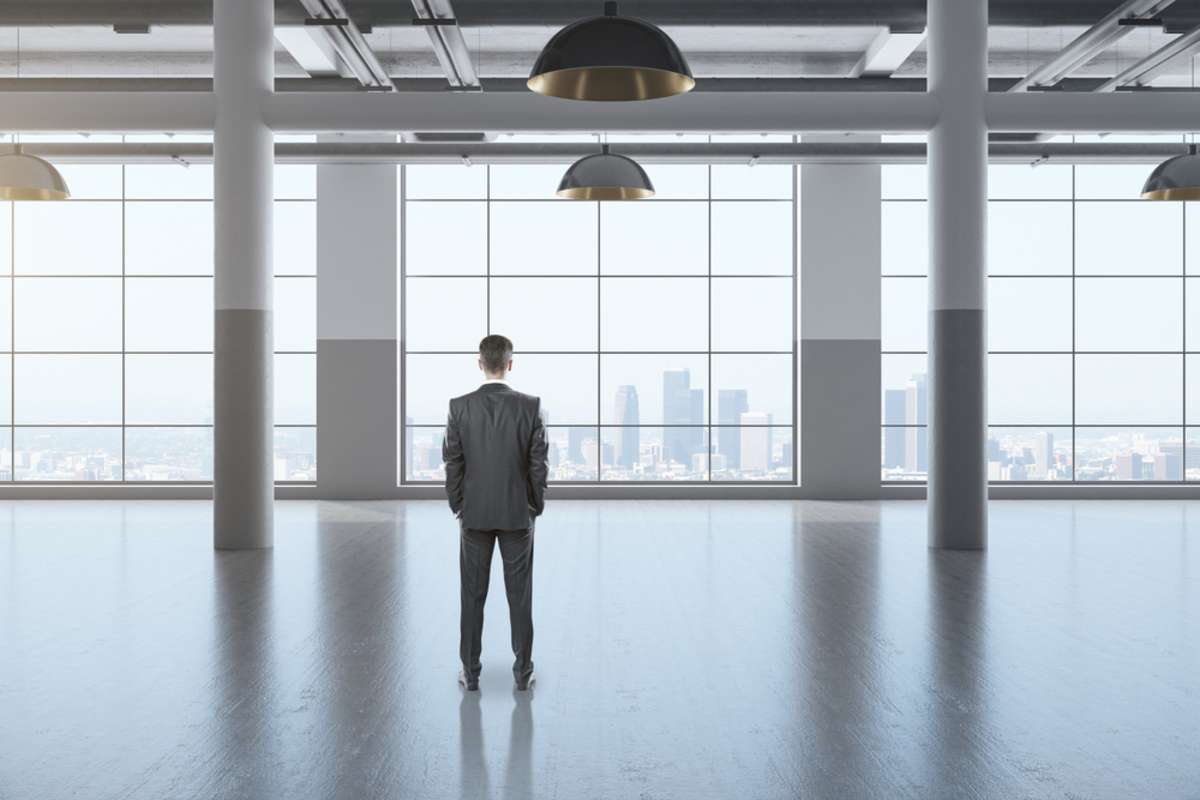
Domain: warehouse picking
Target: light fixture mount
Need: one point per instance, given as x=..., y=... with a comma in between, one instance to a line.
x=611, y=58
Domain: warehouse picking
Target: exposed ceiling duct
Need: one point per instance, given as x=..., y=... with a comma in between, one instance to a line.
x=343, y=35
x=446, y=37
x=1144, y=71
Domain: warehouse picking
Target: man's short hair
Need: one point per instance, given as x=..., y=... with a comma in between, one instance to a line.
x=495, y=352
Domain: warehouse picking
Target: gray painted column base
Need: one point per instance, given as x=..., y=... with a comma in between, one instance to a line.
x=839, y=389
x=243, y=433
x=356, y=418
x=957, y=430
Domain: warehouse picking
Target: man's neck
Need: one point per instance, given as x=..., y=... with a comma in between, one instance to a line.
x=490, y=379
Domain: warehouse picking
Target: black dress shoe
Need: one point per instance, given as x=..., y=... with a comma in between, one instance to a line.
x=470, y=684
x=523, y=684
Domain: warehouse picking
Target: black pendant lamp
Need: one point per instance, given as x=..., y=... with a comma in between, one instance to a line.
x=1176, y=178
x=605, y=176
x=611, y=58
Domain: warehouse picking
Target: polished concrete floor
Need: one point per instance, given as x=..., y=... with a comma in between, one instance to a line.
x=684, y=650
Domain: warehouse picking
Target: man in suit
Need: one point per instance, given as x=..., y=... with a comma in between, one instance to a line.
x=495, y=454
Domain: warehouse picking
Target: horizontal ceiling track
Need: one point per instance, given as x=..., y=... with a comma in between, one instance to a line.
x=697, y=112
x=650, y=153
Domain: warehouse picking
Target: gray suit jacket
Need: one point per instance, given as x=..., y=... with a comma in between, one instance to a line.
x=495, y=454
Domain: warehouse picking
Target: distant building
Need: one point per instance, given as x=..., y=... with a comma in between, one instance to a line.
x=894, y=438
x=916, y=442
x=756, y=442
x=1168, y=463
x=626, y=414
x=731, y=404
x=1043, y=454
x=682, y=405
x=575, y=439
x=1129, y=467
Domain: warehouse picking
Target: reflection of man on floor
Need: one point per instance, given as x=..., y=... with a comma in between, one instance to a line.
x=495, y=454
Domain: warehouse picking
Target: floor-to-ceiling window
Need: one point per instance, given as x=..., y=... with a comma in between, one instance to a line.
x=1089, y=333
x=106, y=310
x=659, y=333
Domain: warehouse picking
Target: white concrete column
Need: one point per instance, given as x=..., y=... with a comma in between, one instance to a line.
x=957, y=275
x=356, y=328
x=839, y=334
x=243, y=150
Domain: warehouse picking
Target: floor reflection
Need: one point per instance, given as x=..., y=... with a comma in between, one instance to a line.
x=473, y=771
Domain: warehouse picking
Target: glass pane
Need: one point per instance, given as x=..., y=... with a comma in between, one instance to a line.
x=661, y=238
x=566, y=384
x=161, y=455
x=649, y=454
x=1029, y=454
x=67, y=454
x=446, y=181
x=904, y=314
x=169, y=314
x=169, y=182
x=6, y=455
x=70, y=238
x=1029, y=238
x=92, y=181
x=68, y=390
x=1129, y=389
x=295, y=390
x=1129, y=454
x=169, y=238
x=296, y=454
x=545, y=313
x=1129, y=314
x=80, y=314
x=1191, y=235
x=904, y=238
x=1192, y=455
x=1029, y=314
x=423, y=454
x=6, y=220
x=6, y=397
x=1029, y=390
x=547, y=238
x=1192, y=322
x=526, y=181
x=752, y=238
x=752, y=314
x=428, y=325
x=1105, y=245
x=1192, y=405
x=430, y=382
x=652, y=389
x=445, y=238
x=678, y=181
x=905, y=453
x=295, y=182
x=741, y=181
x=766, y=380
x=295, y=239
x=904, y=181
x=654, y=314
x=904, y=397
x=169, y=390
x=296, y=314
x=568, y=449
x=752, y=454
x=1111, y=181
x=1026, y=182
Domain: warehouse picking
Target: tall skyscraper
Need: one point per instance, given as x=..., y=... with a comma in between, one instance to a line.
x=916, y=442
x=1129, y=466
x=893, y=438
x=1168, y=463
x=575, y=439
x=1043, y=454
x=756, y=442
x=682, y=405
x=626, y=413
x=731, y=404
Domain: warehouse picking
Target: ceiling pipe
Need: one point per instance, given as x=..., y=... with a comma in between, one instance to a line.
x=332, y=19
x=1090, y=43
x=1149, y=67
x=650, y=153
x=446, y=37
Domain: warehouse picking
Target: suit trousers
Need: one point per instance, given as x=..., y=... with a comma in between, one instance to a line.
x=475, y=566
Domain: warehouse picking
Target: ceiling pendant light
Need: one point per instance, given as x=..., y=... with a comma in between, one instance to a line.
x=605, y=176
x=1177, y=178
x=26, y=177
x=611, y=58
